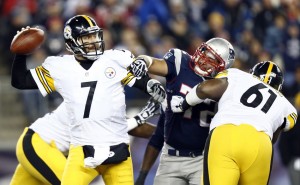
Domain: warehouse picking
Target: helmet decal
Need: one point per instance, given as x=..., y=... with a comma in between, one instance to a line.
x=231, y=54
x=68, y=32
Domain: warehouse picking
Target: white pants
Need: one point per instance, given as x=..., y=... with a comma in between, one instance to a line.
x=175, y=170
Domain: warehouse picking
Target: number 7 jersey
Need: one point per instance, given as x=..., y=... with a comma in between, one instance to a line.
x=248, y=100
x=94, y=98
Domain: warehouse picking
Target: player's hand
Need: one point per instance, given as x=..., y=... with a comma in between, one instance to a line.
x=156, y=90
x=148, y=111
x=176, y=104
x=22, y=29
x=138, y=67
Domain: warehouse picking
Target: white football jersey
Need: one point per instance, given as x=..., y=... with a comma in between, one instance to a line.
x=54, y=127
x=94, y=98
x=248, y=100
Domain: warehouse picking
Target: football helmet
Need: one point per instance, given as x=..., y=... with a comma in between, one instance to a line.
x=268, y=72
x=84, y=37
x=213, y=56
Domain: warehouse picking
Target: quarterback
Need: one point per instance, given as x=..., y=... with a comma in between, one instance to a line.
x=91, y=82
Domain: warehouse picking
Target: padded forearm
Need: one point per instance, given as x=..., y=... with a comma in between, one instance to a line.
x=21, y=77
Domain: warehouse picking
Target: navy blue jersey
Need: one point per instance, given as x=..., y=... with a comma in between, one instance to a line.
x=188, y=130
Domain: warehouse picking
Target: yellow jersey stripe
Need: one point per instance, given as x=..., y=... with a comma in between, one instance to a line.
x=127, y=79
x=40, y=76
x=88, y=20
x=46, y=79
x=292, y=120
x=222, y=74
x=268, y=73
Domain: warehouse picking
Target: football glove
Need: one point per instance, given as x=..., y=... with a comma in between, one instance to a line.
x=156, y=90
x=176, y=104
x=148, y=111
x=138, y=67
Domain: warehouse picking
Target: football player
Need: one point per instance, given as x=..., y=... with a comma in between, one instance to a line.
x=91, y=82
x=251, y=114
x=183, y=138
x=43, y=147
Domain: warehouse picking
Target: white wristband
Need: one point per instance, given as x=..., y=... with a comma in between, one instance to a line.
x=148, y=60
x=131, y=124
x=191, y=98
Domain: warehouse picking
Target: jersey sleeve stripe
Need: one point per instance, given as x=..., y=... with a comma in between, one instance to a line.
x=178, y=56
x=292, y=120
x=268, y=73
x=127, y=79
x=45, y=79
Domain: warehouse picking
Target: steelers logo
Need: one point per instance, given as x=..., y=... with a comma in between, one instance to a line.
x=110, y=72
x=67, y=32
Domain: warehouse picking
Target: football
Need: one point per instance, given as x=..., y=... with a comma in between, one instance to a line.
x=27, y=41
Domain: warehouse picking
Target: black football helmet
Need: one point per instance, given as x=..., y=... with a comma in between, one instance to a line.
x=75, y=29
x=268, y=72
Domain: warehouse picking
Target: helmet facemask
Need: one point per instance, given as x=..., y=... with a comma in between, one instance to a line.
x=207, y=63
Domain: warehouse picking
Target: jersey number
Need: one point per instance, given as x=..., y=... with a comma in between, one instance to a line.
x=89, y=99
x=205, y=115
x=254, y=90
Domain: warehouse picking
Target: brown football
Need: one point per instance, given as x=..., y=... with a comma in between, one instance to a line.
x=27, y=41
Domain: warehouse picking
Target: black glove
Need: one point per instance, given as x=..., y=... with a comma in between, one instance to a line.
x=148, y=111
x=156, y=90
x=141, y=178
x=138, y=67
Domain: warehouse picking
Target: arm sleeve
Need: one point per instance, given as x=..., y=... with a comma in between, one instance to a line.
x=21, y=77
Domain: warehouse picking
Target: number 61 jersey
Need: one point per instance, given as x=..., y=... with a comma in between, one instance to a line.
x=248, y=100
x=94, y=98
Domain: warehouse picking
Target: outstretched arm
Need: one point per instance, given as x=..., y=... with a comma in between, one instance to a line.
x=137, y=125
x=144, y=131
x=210, y=89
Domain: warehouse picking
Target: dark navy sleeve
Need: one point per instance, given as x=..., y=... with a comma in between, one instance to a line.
x=169, y=57
x=157, y=139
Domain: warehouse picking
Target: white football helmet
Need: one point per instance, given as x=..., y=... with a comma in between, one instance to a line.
x=213, y=56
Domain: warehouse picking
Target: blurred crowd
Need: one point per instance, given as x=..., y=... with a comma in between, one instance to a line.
x=258, y=29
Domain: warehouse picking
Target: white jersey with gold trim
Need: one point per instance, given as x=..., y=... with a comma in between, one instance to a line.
x=94, y=98
x=54, y=126
x=247, y=100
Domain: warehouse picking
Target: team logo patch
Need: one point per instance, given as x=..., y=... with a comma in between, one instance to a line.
x=168, y=55
x=110, y=72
